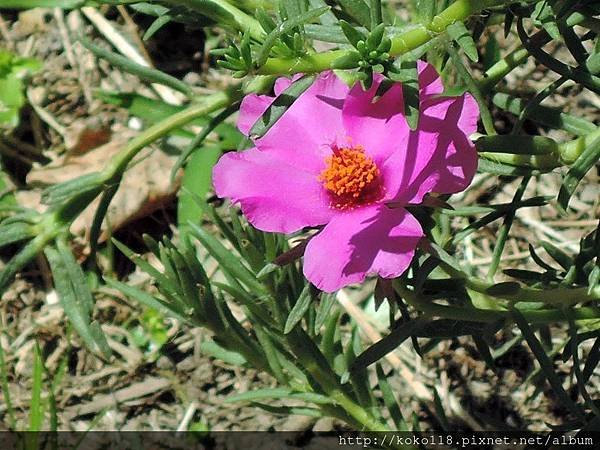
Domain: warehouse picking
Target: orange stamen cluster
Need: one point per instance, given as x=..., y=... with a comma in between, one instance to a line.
x=351, y=177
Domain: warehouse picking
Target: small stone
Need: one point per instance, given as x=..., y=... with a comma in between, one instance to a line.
x=164, y=363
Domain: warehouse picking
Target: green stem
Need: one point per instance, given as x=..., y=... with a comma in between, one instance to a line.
x=499, y=70
x=566, y=154
x=313, y=361
x=536, y=317
x=544, y=163
x=210, y=104
x=403, y=43
x=505, y=229
x=223, y=12
x=113, y=172
x=570, y=151
x=502, y=68
x=560, y=297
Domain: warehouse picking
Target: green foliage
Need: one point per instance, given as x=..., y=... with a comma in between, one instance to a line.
x=371, y=55
x=66, y=4
x=588, y=158
x=195, y=185
x=76, y=297
x=150, y=334
x=13, y=70
x=280, y=106
x=284, y=29
x=143, y=72
x=458, y=32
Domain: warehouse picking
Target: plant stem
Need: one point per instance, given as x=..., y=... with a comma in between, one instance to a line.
x=223, y=12
x=311, y=358
x=505, y=229
x=209, y=104
x=514, y=59
x=536, y=317
x=375, y=7
x=560, y=297
x=113, y=172
x=570, y=151
x=403, y=43
x=567, y=154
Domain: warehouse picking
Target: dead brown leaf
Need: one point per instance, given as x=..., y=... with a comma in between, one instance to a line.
x=145, y=188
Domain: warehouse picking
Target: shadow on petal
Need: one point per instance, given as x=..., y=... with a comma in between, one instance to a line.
x=438, y=156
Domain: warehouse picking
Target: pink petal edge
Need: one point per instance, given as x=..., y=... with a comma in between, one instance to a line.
x=273, y=195
x=438, y=156
x=304, y=134
x=368, y=240
x=379, y=126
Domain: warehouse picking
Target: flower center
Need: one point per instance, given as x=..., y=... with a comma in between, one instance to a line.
x=351, y=177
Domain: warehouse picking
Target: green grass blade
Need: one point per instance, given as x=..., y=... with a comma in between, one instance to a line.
x=277, y=394
x=390, y=400
x=591, y=362
x=439, y=409
x=214, y=350
x=165, y=281
x=326, y=303
x=228, y=261
x=147, y=299
x=459, y=33
x=387, y=344
x=289, y=410
x=36, y=416
x=15, y=232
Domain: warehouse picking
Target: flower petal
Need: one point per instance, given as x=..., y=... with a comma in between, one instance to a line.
x=377, y=125
x=429, y=80
x=282, y=83
x=372, y=239
x=274, y=196
x=252, y=107
x=303, y=134
x=438, y=156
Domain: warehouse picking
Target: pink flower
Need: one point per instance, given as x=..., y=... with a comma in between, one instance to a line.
x=340, y=157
